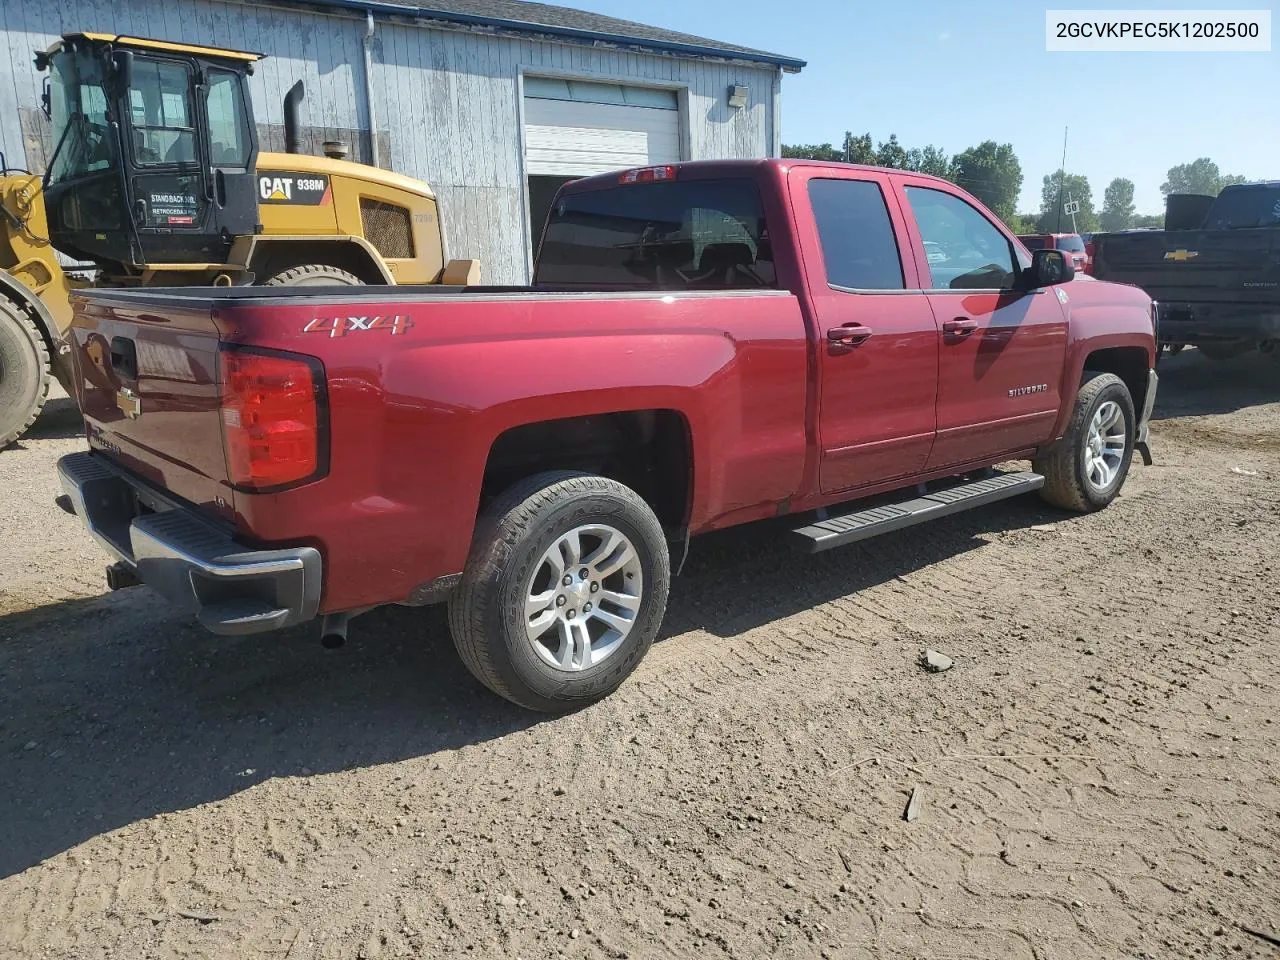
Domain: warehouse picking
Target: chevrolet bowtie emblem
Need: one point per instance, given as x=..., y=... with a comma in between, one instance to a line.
x=129, y=403
x=1181, y=255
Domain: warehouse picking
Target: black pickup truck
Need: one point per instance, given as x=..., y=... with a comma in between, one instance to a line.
x=1218, y=286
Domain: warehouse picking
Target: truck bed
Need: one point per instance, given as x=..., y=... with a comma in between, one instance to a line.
x=416, y=382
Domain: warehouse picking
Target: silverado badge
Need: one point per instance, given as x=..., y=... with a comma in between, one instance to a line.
x=1181, y=255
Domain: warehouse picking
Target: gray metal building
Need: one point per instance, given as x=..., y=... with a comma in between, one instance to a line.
x=492, y=102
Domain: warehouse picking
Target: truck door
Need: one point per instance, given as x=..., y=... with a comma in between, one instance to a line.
x=877, y=351
x=1002, y=350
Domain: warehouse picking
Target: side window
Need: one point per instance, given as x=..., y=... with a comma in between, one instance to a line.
x=964, y=249
x=228, y=132
x=858, y=244
x=160, y=108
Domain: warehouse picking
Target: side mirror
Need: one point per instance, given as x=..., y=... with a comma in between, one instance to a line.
x=1048, y=267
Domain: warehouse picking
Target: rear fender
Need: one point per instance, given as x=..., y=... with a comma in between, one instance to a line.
x=270, y=254
x=700, y=375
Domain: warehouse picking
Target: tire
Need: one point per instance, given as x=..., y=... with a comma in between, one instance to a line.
x=1224, y=349
x=1070, y=481
x=24, y=372
x=488, y=614
x=313, y=275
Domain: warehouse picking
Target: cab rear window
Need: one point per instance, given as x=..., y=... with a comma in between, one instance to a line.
x=676, y=235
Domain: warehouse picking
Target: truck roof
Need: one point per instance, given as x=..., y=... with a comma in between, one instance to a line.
x=705, y=169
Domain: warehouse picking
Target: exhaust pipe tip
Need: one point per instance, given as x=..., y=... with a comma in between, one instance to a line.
x=333, y=630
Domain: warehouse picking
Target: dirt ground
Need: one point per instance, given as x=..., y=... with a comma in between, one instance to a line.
x=1098, y=773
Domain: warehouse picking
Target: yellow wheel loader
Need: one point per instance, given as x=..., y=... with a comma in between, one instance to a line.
x=155, y=179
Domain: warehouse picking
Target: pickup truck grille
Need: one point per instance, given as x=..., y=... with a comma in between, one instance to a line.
x=386, y=226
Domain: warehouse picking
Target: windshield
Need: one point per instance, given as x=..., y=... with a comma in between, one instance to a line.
x=1257, y=205
x=78, y=108
x=1072, y=243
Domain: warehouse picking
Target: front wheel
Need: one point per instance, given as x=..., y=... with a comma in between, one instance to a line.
x=564, y=590
x=1085, y=470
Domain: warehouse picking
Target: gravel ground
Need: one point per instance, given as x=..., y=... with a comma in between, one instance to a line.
x=1097, y=774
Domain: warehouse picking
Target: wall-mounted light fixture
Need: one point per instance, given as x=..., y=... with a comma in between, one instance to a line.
x=738, y=95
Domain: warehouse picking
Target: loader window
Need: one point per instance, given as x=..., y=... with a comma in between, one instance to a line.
x=78, y=108
x=160, y=107
x=228, y=129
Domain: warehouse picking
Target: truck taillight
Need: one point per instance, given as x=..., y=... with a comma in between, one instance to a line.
x=648, y=174
x=274, y=426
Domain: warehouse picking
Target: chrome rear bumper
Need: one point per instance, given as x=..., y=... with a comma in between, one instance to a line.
x=230, y=589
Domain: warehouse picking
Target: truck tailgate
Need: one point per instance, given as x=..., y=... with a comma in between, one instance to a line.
x=148, y=387
x=1193, y=264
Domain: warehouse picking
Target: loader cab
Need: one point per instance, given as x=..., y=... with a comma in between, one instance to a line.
x=153, y=151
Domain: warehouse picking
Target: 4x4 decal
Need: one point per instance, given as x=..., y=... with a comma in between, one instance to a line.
x=341, y=326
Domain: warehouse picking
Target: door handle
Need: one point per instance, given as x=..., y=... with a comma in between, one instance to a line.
x=851, y=334
x=960, y=326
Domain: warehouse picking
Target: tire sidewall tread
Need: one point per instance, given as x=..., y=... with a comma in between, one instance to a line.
x=511, y=536
x=309, y=272
x=1062, y=464
x=23, y=329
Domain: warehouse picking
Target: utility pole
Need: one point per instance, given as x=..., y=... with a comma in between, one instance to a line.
x=1062, y=179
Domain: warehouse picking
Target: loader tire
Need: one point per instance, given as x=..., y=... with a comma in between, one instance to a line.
x=314, y=275
x=24, y=372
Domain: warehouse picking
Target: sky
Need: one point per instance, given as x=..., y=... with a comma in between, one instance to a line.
x=957, y=73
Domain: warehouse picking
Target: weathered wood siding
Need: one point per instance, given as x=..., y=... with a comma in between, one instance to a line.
x=447, y=101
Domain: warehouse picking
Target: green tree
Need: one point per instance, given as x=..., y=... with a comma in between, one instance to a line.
x=1018, y=224
x=991, y=172
x=931, y=160
x=859, y=149
x=891, y=153
x=1149, y=221
x=1198, y=176
x=811, y=151
x=1117, y=205
x=1058, y=189
x=851, y=150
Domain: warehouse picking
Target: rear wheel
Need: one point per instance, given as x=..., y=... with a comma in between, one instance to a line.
x=1085, y=470
x=313, y=275
x=564, y=590
x=24, y=372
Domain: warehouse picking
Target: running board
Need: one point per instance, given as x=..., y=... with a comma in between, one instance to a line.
x=864, y=524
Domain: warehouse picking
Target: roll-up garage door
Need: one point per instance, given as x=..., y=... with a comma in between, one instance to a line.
x=575, y=128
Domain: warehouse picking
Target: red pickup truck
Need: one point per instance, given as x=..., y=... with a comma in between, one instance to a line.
x=704, y=344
